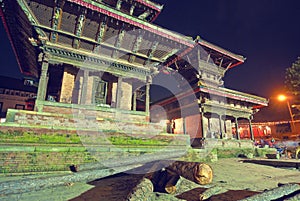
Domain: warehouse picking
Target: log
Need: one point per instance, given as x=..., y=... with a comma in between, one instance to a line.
x=200, y=173
x=142, y=191
x=42, y=182
x=275, y=193
x=215, y=190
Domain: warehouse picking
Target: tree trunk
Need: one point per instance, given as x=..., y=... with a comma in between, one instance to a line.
x=142, y=191
x=215, y=190
x=200, y=173
x=275, y=193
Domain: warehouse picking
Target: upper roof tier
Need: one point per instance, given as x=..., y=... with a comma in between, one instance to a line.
x=99, y=28
x=143, y=9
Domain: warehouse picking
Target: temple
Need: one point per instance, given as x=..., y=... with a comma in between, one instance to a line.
x=103, y=56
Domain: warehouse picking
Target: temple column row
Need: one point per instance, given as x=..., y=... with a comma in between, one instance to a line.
x=218, y=127
x=77, y=87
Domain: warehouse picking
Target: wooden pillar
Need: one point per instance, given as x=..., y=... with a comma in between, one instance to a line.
x=184, y=125
x=202, y=125
x=221, y=127
x=225, y=128
x=42, y=88
x=237, y=129
x=251, y=130
x=134, y=101
x=119, y=92
x=84, y=87
x=147, y=102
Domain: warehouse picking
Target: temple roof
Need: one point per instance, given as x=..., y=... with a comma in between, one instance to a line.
x=236, y=95
x=107, y=27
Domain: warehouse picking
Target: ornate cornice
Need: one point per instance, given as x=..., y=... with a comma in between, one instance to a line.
x=80, y=59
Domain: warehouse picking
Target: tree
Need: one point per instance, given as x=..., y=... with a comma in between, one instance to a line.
x=292, y=78
x=292, y=82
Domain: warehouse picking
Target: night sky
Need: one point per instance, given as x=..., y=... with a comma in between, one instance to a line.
x=266, y=32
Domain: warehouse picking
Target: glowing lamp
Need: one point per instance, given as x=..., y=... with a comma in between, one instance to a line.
x=282, y=97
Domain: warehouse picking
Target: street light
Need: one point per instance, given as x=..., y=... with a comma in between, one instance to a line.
x=282, y=98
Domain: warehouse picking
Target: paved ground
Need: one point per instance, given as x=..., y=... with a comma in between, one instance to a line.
x=241, y=180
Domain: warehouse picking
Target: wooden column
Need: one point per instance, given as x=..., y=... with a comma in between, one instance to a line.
x=119, y=92
x=84, y=87
x=220, y=124
x=184, y=125
x=202, y=124
x=225, y=128
x=237, y=129
x=147, y=102
x=42, y=88
x=250, y=129
x=134, y=101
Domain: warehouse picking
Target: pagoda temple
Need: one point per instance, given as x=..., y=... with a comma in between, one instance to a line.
x=104, y=55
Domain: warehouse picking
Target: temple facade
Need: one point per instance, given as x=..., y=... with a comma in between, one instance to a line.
x=104, y=55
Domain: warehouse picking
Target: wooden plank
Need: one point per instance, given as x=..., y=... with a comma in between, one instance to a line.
x=275, y=163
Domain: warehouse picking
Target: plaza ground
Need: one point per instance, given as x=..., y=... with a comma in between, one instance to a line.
x=240, y=179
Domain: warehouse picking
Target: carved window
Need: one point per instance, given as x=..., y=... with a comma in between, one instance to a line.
x=20, y=107
x=100, y=91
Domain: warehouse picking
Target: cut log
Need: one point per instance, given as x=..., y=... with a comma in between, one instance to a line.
x=275, y=193
x=215, y=190
x=200, y=173
x=142, y=191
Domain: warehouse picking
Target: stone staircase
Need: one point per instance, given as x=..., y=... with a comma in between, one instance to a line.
x=53, y=141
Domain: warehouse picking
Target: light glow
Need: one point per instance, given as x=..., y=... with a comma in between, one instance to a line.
x=282, y=97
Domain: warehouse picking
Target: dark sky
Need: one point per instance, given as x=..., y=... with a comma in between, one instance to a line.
x=266, y=32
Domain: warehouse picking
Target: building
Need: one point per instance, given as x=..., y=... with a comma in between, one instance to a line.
x=15, y=94
x=103, y=56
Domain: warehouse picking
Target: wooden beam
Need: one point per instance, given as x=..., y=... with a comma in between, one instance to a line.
x=151, y=52
x=188, y=58
x=132, y=9
x=221, y=62
x=144, y=15
x=177, y=67
x=79, y=28
x=119, y=4
x=118, y=43
x=208, y=57
x=101, y=32
x=136, y=47
x=199, y=58
x=228, y=66
x=56, y=20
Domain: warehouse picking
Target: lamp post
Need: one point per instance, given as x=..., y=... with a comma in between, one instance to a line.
x=281, y=98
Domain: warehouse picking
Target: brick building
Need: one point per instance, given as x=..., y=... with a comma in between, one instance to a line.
x=102, y=57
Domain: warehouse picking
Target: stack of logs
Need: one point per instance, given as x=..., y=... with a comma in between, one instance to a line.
x=166, y=179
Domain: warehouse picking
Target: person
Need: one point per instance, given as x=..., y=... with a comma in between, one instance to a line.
x=173, y=125
x=297, y=151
